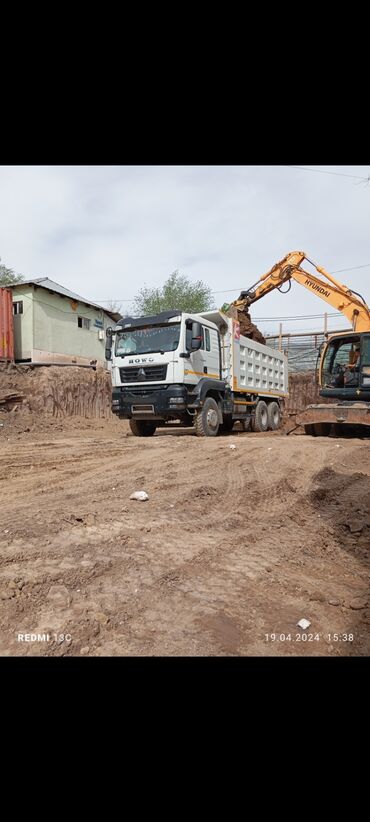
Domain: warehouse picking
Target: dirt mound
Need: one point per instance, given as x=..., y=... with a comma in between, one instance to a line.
x=303, y=391
x=55, y=390
x=345, y=500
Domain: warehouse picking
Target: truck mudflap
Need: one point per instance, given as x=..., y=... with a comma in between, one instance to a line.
x=352, y=413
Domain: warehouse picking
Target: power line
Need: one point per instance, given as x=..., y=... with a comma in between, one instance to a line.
x=289, y=319
x=338, y=270
x=336, y=173
x=228, y=290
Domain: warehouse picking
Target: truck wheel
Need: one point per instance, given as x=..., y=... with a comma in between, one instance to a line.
x=206, y=421
x=142, y=428
x=227, y=425
x=273, y=416
x=260, y=421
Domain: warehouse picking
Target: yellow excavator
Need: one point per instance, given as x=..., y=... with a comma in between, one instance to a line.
x=344, y=369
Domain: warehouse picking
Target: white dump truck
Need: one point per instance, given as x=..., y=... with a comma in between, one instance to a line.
x=195, y=369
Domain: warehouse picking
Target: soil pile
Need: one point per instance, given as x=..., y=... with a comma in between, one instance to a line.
x=345, y=499
x=55, y=390
x=249, y=329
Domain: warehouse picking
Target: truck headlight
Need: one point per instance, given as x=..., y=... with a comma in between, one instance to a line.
x=177, y=400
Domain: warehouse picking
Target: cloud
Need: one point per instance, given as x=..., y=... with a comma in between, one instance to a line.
x=105, y=231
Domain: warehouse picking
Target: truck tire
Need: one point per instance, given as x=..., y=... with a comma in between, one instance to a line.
x=142, y=428
x=206, y=421
x=260, y=420
x=273, y=416
x=226, y=425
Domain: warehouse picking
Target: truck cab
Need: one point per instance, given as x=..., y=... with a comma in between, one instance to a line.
x=160, y=364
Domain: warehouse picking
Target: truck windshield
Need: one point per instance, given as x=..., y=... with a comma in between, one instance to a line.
x=148, y=340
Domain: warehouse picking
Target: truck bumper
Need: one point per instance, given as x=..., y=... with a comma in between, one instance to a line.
x=351, y=413
x=169, y=401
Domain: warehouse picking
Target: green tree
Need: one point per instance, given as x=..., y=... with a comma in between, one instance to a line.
x=8, y=277
x=177, y=292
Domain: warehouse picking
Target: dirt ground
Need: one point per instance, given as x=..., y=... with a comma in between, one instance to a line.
x=232, y=549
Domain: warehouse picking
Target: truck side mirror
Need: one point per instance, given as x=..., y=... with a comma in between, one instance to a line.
x=108, y=344
x=197, y=336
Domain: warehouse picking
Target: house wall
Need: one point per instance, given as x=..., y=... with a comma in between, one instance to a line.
x=48, y=329
x=56, y=332
x=23, y=323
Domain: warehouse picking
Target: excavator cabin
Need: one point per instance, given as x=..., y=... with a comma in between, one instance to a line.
x=345, y=367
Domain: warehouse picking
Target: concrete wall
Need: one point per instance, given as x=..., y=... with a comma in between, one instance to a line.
x=50, y=332
x=23, y=323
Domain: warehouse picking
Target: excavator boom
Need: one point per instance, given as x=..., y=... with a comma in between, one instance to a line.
x=348, y=302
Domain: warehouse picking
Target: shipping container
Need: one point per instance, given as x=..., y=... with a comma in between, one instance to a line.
x=6, y=325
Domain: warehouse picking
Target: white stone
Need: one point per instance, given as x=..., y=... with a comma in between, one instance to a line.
x=141, y=496
x=304, y=623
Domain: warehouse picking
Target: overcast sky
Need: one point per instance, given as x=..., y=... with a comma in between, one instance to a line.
x=105, y=231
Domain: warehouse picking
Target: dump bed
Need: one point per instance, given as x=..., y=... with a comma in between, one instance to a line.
x=254, y=367
x=248, y=365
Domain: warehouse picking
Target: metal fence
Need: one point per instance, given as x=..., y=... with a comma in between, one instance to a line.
x=301, y=348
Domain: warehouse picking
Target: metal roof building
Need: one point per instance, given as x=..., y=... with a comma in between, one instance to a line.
x=53, y=324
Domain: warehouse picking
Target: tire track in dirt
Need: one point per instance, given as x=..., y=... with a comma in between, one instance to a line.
x=239, y=552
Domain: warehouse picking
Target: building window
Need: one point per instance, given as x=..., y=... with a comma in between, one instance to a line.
x=83, y=322
x=18, y=307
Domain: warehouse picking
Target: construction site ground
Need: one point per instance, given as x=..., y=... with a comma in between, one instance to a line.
x=233, y=548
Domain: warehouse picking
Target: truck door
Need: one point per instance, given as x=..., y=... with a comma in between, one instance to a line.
x=196, y=365
x=206, y=361
x=212, y=351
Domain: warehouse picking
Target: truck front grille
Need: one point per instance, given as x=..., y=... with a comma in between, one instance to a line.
x=147, y=373
x=145, y=391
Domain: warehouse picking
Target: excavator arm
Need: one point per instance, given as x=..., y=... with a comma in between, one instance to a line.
x=351, y=304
